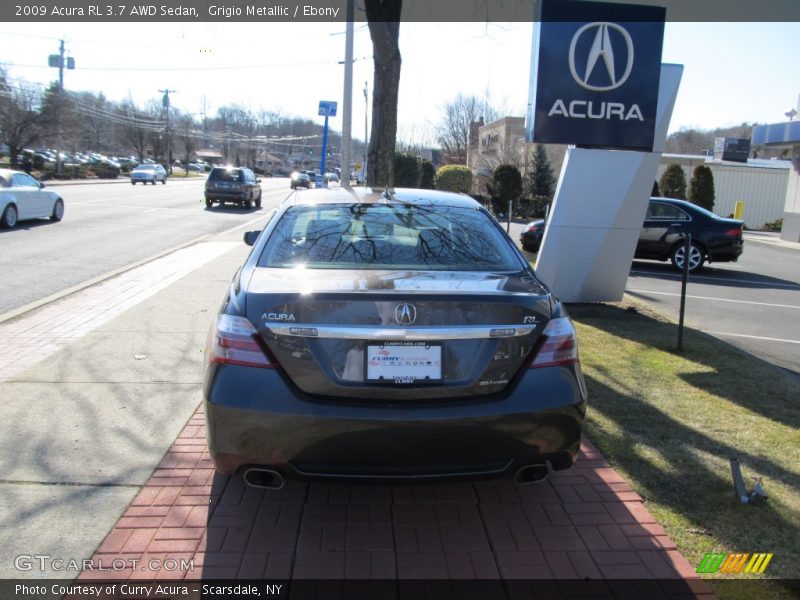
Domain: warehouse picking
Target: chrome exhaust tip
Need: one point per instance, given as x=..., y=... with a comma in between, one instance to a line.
x=259, y=477
x=532, y=474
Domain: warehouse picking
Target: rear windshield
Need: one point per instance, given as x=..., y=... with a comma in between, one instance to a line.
x=381, y=236
x=225, y=175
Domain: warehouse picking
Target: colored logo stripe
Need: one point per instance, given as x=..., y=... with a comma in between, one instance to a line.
x=758, y=563
x=721, y=562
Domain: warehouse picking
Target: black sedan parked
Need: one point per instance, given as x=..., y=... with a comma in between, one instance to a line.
x=663, y=234
x=395, y=334
x=532, y=234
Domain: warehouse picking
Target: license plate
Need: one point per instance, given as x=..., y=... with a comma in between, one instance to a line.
x=404, y=362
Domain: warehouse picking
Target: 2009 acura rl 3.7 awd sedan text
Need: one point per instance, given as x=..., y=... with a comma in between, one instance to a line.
x=395, y=334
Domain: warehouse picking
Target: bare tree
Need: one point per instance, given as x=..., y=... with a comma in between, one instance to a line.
x=20, y=122
x=383, y=17
x=459, y=114
x=135, y=127
x=187, y=138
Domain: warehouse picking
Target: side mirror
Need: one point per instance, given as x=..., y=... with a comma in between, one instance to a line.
x=250, y=237
x=258, y=181
x=41, y=184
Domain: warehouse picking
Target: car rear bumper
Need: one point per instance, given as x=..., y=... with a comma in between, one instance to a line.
x=728, y=253
x=226, y=196
x=257, y=419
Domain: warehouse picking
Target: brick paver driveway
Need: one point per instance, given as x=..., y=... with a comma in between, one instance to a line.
x=585, y=523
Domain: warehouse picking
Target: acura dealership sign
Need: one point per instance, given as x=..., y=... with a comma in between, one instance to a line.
x=595, y=70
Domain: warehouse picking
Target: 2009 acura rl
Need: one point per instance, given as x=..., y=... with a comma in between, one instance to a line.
x=395, y=334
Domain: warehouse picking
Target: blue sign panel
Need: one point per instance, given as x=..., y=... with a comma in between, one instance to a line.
x=595, y=73
x=777, y=133
x=327, y=108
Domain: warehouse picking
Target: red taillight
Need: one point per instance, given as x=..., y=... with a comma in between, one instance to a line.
x=736, y=232
x=559, y=346
x=232, y=341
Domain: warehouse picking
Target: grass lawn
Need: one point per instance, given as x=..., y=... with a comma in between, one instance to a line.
x=670, y=422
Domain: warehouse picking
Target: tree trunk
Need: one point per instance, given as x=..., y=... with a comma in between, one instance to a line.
x=384, y=28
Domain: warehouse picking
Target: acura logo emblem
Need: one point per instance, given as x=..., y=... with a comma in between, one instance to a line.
x=601, y=56
x=405, y=314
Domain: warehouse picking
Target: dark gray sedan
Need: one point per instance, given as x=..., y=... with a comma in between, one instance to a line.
x=395, y=334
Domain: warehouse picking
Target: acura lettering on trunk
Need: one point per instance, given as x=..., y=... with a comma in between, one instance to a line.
x=390, y=334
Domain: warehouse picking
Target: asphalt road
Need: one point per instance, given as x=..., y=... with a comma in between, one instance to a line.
x=753, y=304
x=109, y=226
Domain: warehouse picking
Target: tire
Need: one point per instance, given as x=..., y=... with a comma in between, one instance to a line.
x=258, y=202
x=133, y=183
x=696, y=257
x=164, y=181
x=10, y=216
x=209, y=203
x=58, y=210
x=529, y=248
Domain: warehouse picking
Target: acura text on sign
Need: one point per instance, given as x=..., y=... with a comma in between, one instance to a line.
x=595, y=70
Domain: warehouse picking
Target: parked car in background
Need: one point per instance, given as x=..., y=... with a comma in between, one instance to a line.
x=400, y=334
x=22, y=197
x=531, y=236
x=148, y=173
x=331, y=178
x=237, y=185
x=300, y=179
x=663, y=235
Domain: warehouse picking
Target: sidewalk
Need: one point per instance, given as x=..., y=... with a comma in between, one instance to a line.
x=770, y=237
x=115, y=413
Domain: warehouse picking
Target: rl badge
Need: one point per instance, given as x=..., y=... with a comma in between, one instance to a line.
x=595, y=71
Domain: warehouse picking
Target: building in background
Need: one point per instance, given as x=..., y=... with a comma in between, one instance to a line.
x=759, y=183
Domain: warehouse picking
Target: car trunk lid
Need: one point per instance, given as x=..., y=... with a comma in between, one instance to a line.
x=373, y=335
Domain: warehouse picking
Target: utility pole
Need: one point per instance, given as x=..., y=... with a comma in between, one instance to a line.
x=61, y=67
x=167, y=140
x=348, y=96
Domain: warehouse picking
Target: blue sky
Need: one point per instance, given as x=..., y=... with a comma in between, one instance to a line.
x=734, y=72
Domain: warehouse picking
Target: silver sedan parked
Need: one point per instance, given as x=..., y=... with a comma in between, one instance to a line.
x=22, y=197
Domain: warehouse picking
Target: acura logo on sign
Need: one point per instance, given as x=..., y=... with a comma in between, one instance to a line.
x=405, y=314
x=601, y=48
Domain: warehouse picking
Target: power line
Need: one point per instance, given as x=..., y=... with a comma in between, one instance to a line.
x=201, y=68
